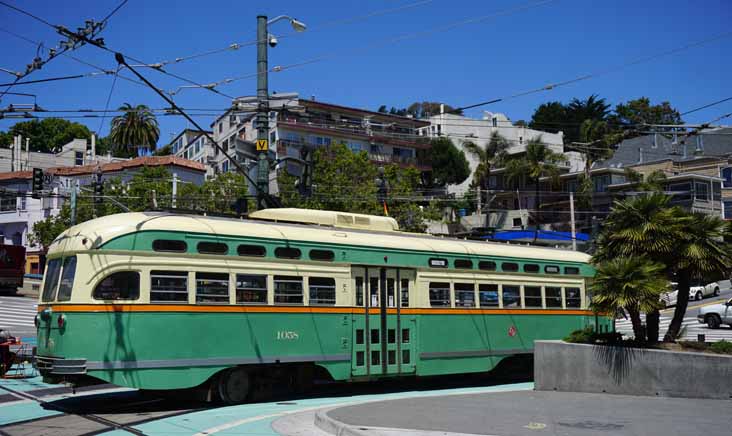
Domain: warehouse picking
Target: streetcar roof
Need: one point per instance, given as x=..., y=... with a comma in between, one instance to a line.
x=95, y=233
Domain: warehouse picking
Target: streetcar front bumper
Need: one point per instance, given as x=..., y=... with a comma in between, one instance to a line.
x=59, y=366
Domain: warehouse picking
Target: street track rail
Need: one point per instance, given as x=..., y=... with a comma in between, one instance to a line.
x=96, y=418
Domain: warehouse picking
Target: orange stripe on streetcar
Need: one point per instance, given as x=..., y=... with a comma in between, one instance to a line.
x=299, y=309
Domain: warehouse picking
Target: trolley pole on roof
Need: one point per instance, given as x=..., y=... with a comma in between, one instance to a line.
x=262, y=118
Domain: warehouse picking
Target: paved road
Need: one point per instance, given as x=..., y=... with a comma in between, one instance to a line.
x=690, y=327
x=525, y=413
x=16, y=315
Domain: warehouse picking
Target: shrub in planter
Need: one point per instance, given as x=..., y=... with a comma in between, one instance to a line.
x=722, y=347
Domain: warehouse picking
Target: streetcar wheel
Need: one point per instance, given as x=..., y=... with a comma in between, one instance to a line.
x=234, y=386
x=699, y=296
x=716, y=292
x=713, y=321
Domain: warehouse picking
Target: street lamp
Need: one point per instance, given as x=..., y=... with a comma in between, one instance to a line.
x=264, y=39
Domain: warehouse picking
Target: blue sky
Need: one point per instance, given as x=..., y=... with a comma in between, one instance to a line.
x=544, y=43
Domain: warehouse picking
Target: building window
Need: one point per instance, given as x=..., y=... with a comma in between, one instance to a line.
x=322, y=291
x=79, y=158
x=701, y=191
x=251, y=289
x=601, y=183
x=288, y=290
x=439, y=294
x=728, y=210
x=225, y=166
x=726, y=174
x=495, y=122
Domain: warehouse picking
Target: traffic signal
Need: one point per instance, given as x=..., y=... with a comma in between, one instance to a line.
x=37, y=183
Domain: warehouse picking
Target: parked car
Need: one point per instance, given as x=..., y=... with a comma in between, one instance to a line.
x=697, y=291
x=716, y=314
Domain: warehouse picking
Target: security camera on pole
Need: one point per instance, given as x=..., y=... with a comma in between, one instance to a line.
x=262, y=119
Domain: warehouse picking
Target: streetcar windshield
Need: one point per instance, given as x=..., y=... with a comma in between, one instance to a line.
x=67, y=279
x=52, y=274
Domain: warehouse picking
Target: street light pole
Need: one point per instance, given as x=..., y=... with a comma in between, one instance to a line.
x=262, y=111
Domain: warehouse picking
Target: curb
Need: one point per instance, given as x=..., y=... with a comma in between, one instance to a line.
x=335, y=427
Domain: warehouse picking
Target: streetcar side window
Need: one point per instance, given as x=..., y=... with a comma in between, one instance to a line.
x=551, y=269
x=572, y=270
x=212, y=248
x=212, y=287
x=169, y=245
x=251, y=289
x=405, y=293
x=487, y=265
x=511, y=296
x=390, y=292
x=359, y=291
x=464, y=295
x=509, y=266
x=288, y=253
x=53, y=271
x=122, y=285
x=439, y=294
x=288, y=290
x=553, y=296
x=322, y=255
x=168, y=287
x=531, y=268
x=488, y=294
x=251, y=250
x=532, y=296
x=67, y=279
x=573, y=297
x=322, y=291
x=463, y=263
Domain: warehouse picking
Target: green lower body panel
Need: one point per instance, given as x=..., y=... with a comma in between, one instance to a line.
x=174, y=350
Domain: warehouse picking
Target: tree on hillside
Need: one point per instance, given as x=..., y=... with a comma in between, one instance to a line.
x=165, y=150
x=489, y=157
x=346, y=181
x=449, y=165
x=641, y=111
x=538, y=161
x=47, y=135
x=549, y=117
x=556, y=116
x=136, y=129
x=423, y=109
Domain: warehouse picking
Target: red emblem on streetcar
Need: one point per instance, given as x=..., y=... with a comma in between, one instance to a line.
x=512, y=331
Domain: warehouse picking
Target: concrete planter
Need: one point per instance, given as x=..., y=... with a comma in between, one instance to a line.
x=563, y=366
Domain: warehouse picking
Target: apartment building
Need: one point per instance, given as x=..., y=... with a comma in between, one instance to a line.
x=461, y=129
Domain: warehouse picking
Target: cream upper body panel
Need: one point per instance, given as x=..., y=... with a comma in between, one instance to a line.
x=95, y=233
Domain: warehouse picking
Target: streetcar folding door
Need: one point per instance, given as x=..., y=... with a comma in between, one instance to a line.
x=384, y=338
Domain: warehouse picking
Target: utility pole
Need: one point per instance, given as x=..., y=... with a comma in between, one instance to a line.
x=571, y=217
x=262, y=112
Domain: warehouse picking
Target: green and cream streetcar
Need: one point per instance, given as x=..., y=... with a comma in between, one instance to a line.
x=169, y=301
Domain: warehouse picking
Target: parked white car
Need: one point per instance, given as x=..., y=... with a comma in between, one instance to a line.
x=696, y=292
x=716, y=314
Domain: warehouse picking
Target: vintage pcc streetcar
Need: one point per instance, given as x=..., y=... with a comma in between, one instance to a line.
x=169, y=301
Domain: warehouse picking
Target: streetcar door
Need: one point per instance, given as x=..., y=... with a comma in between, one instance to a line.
x=383, y=337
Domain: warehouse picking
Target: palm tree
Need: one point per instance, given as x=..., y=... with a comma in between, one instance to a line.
x=632, y=283
x=538, y=161
x=490, y=157
x=136, y=129
x=701, y=252
x=642, y=226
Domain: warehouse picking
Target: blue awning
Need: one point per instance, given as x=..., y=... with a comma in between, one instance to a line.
x=546, y=235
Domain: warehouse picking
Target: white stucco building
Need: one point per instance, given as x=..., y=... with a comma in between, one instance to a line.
x=461, y=129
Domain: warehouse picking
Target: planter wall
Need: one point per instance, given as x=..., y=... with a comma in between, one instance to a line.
x=569, y=367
